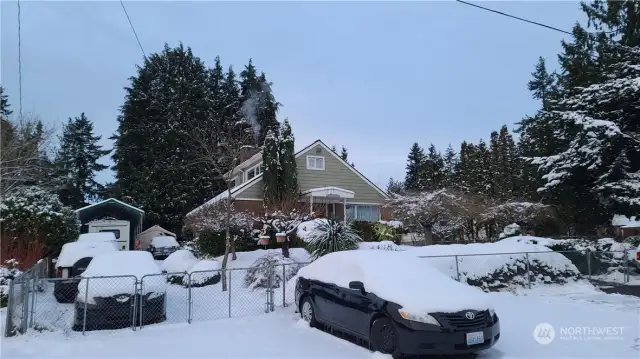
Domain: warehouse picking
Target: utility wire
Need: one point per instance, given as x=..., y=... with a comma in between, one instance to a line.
x=19, y=63
x=590, y=34
x=516, y=17
x=133, y=29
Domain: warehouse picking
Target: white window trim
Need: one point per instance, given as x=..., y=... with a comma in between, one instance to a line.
x=355, y=210
x=246, y=173
x=324, y=163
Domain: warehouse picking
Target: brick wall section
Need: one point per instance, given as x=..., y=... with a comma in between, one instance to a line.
x=253, y=207
x=386, y=213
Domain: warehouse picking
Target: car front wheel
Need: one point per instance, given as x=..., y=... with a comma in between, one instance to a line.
x=307, y=313
x=384, y=337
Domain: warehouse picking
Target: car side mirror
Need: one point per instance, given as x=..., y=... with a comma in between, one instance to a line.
x=357, y=285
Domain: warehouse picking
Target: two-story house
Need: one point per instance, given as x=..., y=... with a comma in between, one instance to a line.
x=328, y=185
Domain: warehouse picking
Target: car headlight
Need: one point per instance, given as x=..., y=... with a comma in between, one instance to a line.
x=422, y=317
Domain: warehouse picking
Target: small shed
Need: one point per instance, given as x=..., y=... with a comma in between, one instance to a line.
x=114, y=209
x=626, y=226
x=146, y=236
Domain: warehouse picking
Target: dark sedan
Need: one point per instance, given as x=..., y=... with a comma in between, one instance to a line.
x=384, y=323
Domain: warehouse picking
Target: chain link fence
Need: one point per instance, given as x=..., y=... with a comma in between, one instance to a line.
x=96, y=303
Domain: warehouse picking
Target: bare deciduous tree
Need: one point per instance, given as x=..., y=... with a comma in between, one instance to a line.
x=24, y=146
x=284, y=217
x=221, y=146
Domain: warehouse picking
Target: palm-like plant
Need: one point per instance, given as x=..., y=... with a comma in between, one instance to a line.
x=331, y=236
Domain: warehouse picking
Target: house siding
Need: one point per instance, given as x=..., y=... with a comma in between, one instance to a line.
x=254, y=190
x=335, y=174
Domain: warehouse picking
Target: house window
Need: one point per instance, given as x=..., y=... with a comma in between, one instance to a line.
x=315, y=163
x=363, y=213
x=232, y=183
x=253, y=172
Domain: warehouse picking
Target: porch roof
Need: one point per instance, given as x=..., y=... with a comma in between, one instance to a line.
x=329, y=192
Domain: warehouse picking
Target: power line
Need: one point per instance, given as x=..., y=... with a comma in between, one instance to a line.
x=516, y=17
x=591, y=35
x=133, y=29
x=19, y=62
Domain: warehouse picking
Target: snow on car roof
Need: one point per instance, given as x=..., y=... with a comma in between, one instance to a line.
x=397, y=277
x=74, y=251
x=97, y=236
x=122, y=263
x=164, y=241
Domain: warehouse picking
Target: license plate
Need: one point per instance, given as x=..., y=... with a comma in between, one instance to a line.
x=475, y=338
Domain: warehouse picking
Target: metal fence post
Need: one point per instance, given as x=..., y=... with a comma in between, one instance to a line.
x=626, y=267
x=229, y=289
x=34, y=290
x=137, y=297
x=457, y=268
x=8, y=328
x=25, y=305
x=189, y=298
x=86, y=299
x=528, y=270
x=589, y=262
x=284, y=286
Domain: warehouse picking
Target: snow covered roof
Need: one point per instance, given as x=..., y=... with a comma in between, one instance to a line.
x=384, y=273
x=158, y=228
x=74, y=251
x=625, y=222
x=225, y=193
x=329, y=191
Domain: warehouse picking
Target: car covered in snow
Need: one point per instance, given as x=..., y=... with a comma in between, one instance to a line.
x=72, y=262
x=162, y=246
x=109, y=237
x=397, y=302
x=118, y=290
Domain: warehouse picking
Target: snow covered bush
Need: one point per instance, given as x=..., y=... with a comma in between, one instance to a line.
x=383, y=245
x=605, y=256
x=511, y=230
x=331, y=236
x=484, y=265
x=177, y=264
x=274, y=266
x=284, y=221
x=203, y=273
x=8, y=271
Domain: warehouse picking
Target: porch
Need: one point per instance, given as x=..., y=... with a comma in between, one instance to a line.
x=338, y=203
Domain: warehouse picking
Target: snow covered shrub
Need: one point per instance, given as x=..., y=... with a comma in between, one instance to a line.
x=203, y=273
x=7, y=272
x=365, y=230
x=274, y=266
x=35, y=222
x=382, y=245
x=177, y=264
x=511, y=230
x=384, y=232
x=331, y=236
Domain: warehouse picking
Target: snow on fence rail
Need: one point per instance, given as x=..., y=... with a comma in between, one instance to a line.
x=178, y=297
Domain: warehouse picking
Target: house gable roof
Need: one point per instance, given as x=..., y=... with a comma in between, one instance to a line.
x=239, y=189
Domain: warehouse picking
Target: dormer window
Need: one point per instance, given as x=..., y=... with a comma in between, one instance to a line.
x=254, y=171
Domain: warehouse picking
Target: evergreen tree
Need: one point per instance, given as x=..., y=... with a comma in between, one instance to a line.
x=259, y=106
x=5, y=110
x=289, y=190
x=433, y=169
x=415, y=164
x=77, y=163
x=272, y=169
x=394, y=187
x=157, y=163
x=465, y=168
x=344, y=154
x=451, y=161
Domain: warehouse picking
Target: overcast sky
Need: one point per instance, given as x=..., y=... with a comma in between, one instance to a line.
x=372, y=76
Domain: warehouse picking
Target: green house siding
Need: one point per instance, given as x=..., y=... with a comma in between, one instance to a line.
x=253, y=191
x=335, y=174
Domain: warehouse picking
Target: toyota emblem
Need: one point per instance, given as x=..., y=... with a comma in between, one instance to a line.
x=469, y=315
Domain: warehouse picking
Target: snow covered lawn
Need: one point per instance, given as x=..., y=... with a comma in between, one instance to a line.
x=282, y=335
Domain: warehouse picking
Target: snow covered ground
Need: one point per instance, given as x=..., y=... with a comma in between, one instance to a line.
x=282, y=335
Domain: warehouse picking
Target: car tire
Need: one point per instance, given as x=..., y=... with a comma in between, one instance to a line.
x=307, y=312
x=383, y=337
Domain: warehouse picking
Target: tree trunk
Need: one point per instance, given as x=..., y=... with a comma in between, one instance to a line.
x=223, y=269
x=233, y=248
x=285, y=248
